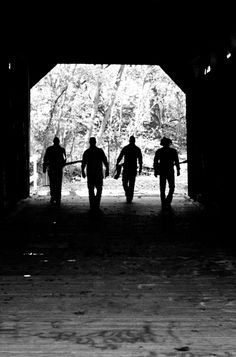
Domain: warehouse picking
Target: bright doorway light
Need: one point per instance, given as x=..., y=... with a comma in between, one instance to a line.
x=110, y=102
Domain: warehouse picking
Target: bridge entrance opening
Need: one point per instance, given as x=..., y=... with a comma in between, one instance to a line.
x=111, y=102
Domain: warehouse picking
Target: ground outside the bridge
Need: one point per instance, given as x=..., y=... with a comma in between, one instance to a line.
x=132, y=280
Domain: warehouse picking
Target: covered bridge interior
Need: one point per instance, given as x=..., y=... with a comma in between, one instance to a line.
x=194, y=45
x=133, y=281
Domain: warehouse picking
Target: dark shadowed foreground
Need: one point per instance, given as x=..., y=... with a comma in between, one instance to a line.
x=131, y=280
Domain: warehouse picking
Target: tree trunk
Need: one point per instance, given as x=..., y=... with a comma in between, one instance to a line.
x=72, y=147
x=60, y=116
x=69, y=99
x=142, y=92
x=93, y=114
x=48, y=127
x=110, y=106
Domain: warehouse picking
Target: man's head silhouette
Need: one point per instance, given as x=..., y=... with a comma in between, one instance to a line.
x=165, y=141
x=56, y=140
x=132, y=139
x=92, y=141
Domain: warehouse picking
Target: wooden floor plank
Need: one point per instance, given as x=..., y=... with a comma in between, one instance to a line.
x=159, y=292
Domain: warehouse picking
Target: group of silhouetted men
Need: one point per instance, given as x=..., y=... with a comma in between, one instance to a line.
x=94, y=159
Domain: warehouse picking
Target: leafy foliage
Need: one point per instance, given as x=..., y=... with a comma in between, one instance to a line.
x=72, y=100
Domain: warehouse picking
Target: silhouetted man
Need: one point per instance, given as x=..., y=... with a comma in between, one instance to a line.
x=132, y=154
x=54, y=160
x=94, y=158
x=164, y=161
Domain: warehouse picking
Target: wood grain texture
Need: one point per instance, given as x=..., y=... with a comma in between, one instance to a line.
x=133, y=283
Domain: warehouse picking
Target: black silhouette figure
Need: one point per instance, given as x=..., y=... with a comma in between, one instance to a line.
x=164, y=161
x=54, y=160
x=93, y=159
x=117, y=171
x=131, y=154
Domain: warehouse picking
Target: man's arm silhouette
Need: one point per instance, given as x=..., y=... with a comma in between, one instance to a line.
x=84, y=163
x=177, y=163
x=105, y=162
x=120, y=157
x=156, y=163
x=45, y=161
x=140, y=160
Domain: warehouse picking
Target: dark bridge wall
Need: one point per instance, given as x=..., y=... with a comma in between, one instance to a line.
x=211, y=113
x=14, y=172
x=210, y=118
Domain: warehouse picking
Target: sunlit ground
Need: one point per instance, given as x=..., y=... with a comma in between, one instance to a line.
x=145, y=185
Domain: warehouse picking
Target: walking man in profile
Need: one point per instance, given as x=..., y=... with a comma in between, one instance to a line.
x=131, y=154
x=164, y=161
x=54, y=160
x=93, y=160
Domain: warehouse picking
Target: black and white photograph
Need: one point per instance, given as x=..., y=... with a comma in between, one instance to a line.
x=116, y=180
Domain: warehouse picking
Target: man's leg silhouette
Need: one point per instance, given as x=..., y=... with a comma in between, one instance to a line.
x=95, y=199
x=130, y=192
x=58, y=186
x=98, y=196
x=52, y=185
x=171, y=183
x=163, y=189
x=125, y=180
x=91, y=188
